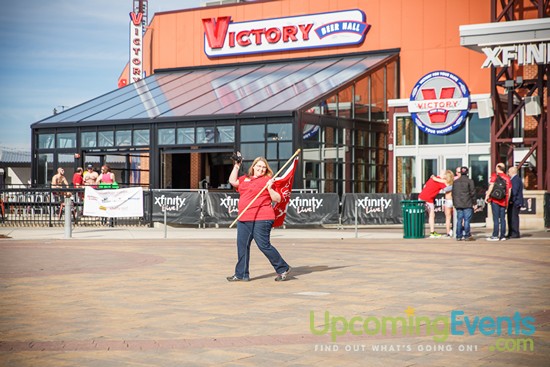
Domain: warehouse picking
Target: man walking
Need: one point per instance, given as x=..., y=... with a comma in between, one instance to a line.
x=463, y=200
x=498, y=195
x=515, y=203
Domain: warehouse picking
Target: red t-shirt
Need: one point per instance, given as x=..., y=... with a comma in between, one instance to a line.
x=78, y=180
x=430, y=190
x=504, y=200
x=261, y=209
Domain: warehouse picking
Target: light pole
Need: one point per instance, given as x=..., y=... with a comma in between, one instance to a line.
x=275, y=137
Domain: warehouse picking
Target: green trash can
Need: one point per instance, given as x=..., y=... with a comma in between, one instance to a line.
x=414, y=218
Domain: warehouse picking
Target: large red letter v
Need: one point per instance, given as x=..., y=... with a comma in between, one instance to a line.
x=136, y=18
x=216, y=31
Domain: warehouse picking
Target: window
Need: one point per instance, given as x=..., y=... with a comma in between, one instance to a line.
x=226, y=134
x=278, y=150
x=207, y=135
x=66, y=140
x=89, y=139
x=479, y=129
x=252, y=150
x=45, y=168
x=378, y=98
x=123, y=138
x=105, y=138
x=186, y=135
x=279, y=132
x=141, y=137
x=252, y=132
x=167, y=136
x=362, y=99
x=46, y=141
x=404, y=174
x=405, y=131
x=479, y=172
x=456, y=137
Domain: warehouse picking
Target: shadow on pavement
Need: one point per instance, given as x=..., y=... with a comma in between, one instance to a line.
x=301, y=270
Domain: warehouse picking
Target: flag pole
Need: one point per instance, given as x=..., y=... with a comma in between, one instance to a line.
x=262, y=190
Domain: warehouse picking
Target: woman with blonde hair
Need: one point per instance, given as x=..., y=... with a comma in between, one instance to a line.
x=448, y=204
x=257, y=221
x=432, y=187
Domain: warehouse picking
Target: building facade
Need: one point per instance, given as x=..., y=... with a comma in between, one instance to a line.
x=332, y=78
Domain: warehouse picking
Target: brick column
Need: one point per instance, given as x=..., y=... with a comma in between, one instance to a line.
x=195, y=170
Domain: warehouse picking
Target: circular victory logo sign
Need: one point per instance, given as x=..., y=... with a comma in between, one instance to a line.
x=439, y=103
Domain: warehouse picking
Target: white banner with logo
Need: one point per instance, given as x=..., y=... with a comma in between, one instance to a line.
x=119, y=203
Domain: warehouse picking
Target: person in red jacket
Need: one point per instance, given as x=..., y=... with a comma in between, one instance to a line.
x=498, y=206
x=78, y=181
x=432, y=187
x=257, y=221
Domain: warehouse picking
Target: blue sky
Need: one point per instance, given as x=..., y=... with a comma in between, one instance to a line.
x=61, y=53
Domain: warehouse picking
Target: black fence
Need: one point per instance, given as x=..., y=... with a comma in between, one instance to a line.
x=45, y=207
x=202, y=208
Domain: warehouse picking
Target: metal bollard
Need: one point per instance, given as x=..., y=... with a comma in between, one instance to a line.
x=165, y=226
x=356, y=206
x=68, y=211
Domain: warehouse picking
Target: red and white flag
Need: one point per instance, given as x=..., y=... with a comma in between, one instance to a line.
x=283, y=185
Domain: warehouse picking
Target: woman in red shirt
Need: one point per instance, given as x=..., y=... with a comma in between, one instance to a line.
x=432, y=187
x=256, y=223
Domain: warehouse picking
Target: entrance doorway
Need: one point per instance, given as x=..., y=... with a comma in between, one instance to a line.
x=180, y=174
x=192, y=170
x=217, y=168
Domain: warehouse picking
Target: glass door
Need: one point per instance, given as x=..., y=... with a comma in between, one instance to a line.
x=434, y=164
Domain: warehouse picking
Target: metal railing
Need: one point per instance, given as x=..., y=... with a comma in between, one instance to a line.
x=44, y=207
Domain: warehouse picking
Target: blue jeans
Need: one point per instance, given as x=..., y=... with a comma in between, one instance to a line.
x=499, y=220
x=466, y=216
x=260, y=232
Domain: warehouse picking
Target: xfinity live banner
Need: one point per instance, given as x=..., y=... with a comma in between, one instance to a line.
x=303, y=209
x=119, y=203
x=181, y=207
x=372, y=208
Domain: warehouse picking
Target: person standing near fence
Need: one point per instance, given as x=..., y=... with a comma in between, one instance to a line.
x=256, y=223
x=515, y=203
x=107, y=178
x=90, y=176
x=59, y=180
x=498, y=194
x=464, y=195
x=78, y=181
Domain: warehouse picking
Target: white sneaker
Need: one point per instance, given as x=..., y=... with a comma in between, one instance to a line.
x=492, y=238
x=282, y=277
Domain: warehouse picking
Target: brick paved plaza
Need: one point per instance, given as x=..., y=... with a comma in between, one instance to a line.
x=131, y=298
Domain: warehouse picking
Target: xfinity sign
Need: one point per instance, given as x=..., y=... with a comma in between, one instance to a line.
x=530, y=54
x=222, y=37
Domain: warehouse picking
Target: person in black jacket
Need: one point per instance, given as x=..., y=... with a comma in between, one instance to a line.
x=463, y=201
x=515, y=203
